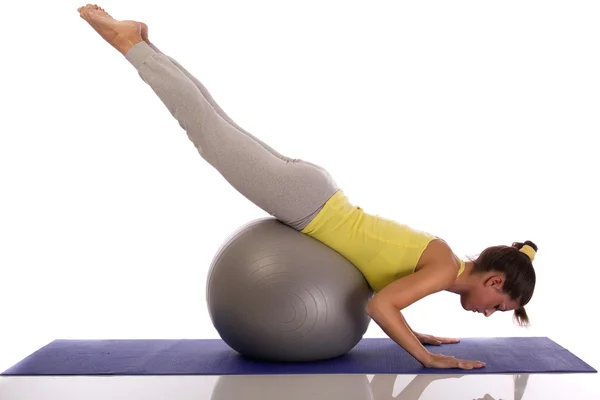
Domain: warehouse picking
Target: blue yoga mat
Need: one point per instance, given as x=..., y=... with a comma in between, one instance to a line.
x=214, y=357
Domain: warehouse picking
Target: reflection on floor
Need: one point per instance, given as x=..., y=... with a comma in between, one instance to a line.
x=338, y=387
x=304, y=387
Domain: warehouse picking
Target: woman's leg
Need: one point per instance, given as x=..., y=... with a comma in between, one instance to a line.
x=293, y=192
x=214, y=104
x=290, y=191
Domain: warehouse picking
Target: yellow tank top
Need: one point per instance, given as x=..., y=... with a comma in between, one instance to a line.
x=381, y=249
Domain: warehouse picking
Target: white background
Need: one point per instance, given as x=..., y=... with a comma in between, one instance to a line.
x=476, y=121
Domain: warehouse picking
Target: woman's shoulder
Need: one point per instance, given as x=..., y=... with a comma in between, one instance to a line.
x=438, y=252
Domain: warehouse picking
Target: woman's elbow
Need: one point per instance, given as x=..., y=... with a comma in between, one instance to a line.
x=370, y=309
x=378, y=305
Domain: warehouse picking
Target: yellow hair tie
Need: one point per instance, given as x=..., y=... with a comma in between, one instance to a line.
x=530, y=251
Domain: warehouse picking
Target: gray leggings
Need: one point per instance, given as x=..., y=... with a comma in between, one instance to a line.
x=291, y=190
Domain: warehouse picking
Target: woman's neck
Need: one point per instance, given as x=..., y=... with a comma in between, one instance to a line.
x=463, y=282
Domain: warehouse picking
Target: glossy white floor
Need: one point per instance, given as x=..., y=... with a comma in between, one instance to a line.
x=313, y=387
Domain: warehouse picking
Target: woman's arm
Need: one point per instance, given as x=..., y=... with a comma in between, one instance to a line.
x=385, y=306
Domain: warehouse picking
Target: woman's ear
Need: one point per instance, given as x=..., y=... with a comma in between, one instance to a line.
x=495, y=281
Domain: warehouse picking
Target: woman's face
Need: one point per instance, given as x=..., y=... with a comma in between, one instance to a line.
x=487, y=297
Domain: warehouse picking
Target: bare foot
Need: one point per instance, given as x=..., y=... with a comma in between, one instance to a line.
x=122, y=35
x=144, y=33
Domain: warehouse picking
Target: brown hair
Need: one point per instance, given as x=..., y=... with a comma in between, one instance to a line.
x=518, y=270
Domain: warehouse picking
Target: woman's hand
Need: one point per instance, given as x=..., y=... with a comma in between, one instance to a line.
x=434, y=340
x=441, y=361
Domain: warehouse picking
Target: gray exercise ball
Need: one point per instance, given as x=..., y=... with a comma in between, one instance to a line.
x=276, y=294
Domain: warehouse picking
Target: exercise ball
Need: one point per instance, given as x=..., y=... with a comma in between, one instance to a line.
x=276, y=294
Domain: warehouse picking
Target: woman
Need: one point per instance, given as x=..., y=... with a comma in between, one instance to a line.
x=401, y=264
